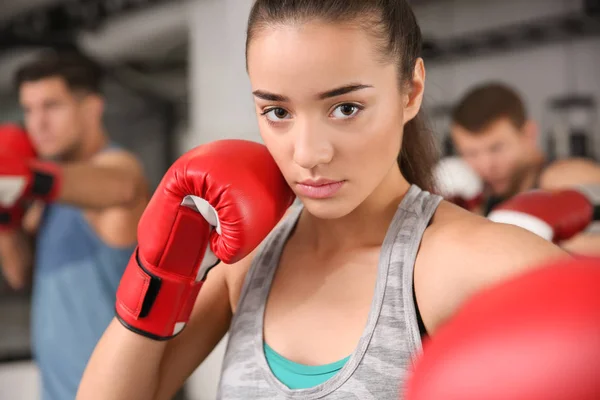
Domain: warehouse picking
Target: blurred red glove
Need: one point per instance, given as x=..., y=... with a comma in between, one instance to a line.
x=14, y=142
x=535, y=337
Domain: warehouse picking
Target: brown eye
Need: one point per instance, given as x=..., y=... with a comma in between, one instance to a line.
x=280, y=113
x=276, y=114
x=345, y=111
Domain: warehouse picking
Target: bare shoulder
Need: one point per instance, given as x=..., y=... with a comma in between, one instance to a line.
x=119, y=158
x=485, y=243
x=462, y=253
x=570, y=172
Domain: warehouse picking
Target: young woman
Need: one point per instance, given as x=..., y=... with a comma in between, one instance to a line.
x=335, y=302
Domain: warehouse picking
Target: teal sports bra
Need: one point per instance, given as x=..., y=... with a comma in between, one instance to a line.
x=299, y=376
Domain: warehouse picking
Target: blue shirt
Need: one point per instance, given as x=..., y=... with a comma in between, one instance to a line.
x=75, y=282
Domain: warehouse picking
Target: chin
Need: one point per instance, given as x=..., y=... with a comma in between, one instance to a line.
x=333, y=208
x=49, y=155
x=501, y=191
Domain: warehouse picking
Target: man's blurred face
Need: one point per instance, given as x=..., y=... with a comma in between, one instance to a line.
x=498, y=154
x=54, y=116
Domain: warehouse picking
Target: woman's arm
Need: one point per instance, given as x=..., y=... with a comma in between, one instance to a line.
x=464, y=254
x=128, y=366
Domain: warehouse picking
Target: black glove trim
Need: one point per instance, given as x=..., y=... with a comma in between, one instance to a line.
x=153, y=289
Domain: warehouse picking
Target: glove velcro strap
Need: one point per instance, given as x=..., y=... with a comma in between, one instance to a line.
x=5, y=218
x=153, y=306
x=138, y=289
x=45, y=183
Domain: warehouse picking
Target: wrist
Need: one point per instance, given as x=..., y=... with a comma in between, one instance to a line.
x=153, y=303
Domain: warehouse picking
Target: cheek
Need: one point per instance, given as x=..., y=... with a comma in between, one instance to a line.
x=373, y=147
x=70, y=120
x=383, y=133
x=30, y=124
x=513, y=156
x=280, y=148
x=58, y=117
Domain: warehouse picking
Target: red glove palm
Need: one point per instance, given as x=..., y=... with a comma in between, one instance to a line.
x=555, y=216
x=217, y=202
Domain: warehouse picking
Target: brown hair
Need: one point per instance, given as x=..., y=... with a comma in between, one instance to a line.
x=488, y=103
x=393, y=24
x=78, y=72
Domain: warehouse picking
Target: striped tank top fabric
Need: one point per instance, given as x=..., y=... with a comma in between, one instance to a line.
x=377, y=368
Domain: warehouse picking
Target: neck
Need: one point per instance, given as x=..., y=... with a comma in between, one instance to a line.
x=94, y=141
x=533, y=168
x=365, y=226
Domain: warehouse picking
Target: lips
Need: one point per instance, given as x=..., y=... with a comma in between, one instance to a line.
x=318, y=182
x=319, y=188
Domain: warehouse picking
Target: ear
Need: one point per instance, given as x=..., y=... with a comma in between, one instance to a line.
x=414, y=97
x=94, y=107
x=531, y=132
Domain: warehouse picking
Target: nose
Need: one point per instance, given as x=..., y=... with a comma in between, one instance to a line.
x=485, y=165
x=35, y=121
x=311, y=147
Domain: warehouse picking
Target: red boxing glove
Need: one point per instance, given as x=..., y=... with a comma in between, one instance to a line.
x=22, y=179
x=216, y=202
x=458, y=183
x=555, y=216
x=535, y=337
x=13, y=142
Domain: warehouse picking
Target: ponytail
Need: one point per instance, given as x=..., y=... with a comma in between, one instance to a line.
x=419, y=154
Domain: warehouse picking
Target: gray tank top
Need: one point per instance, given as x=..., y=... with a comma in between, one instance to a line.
x=390, y=340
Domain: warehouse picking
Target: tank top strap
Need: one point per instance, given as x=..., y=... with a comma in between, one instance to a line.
x=418, y=209
x=265, y=262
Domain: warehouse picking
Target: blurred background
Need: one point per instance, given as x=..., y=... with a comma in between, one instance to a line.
x=176, y=79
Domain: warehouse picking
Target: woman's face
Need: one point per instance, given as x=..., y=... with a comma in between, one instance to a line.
x=330, y=112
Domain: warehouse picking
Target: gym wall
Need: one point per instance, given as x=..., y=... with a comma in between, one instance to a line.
x=539, y=73
x=140, y=123
x=220, y=99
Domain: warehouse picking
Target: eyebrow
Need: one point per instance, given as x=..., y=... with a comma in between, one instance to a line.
x=342, y=90
x=261, y=94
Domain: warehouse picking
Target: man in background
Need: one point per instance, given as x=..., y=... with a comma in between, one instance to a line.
x=501, y=158
x=84, y=196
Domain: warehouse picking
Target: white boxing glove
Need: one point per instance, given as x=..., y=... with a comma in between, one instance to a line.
x=458, y=182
